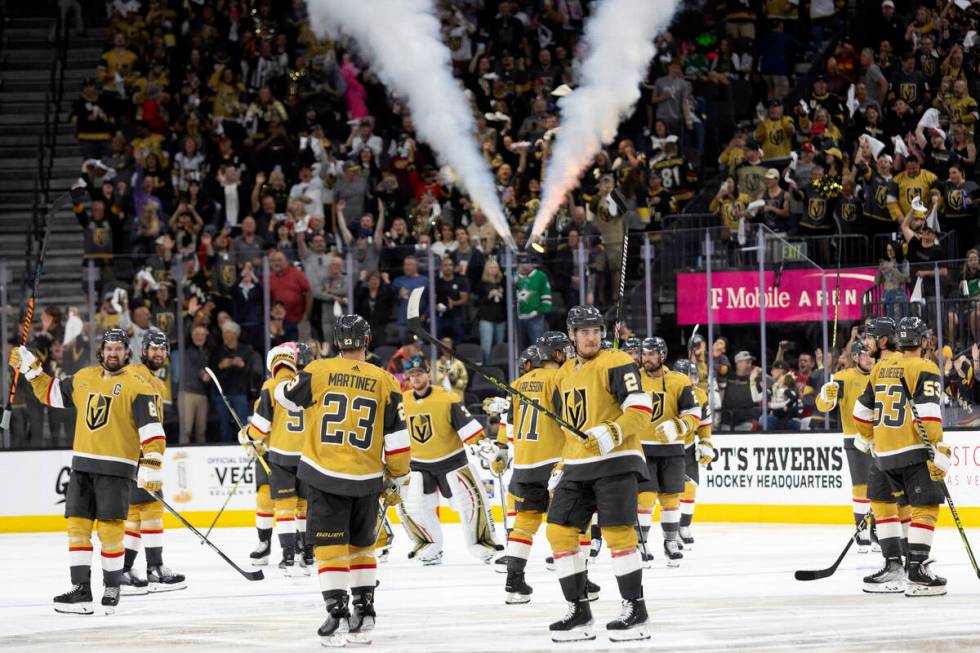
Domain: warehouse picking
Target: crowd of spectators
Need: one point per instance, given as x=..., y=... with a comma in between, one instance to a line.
x=219, y=138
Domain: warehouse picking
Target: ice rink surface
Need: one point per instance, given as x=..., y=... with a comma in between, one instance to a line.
x=735, y=592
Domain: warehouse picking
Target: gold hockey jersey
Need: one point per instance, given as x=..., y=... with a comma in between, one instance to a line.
x=160, y=389
x=537, y=439
x=883, y=414
x=703, y=433
x=117, y=418
x=283, y=430
x=357, y=430
x=605, y=388
x=671, y=396
x=851, y=384
x=439, y=425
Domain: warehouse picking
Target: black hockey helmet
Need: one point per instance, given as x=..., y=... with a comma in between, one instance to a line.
x=580, y=317
x=351, y=332
x=606, y=344
x=553, y=346
x=687, y=367
x=911, y=331
x=416, y=363
x=632, y=344
x=655, y=344
x=154, y=338
x=530, y=356
x=304, y=355
x=114, y=334
x=858, y=347
x=883, y=327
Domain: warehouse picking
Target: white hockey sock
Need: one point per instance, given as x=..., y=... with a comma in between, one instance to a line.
x=645, y=517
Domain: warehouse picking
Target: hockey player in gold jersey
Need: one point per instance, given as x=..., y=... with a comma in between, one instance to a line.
x=698, y=450
x=439, y=426
x=888, y=426
x=601, y=395
x=357, y=448
x=117, y=430
x=675, y=415
x=282, y=433
x=537, y=442
x=144, y=524
x=843, y=391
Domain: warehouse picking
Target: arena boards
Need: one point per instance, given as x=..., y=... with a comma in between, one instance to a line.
x=758, y=477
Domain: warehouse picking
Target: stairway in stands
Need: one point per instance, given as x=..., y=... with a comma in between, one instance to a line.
x=25, y=64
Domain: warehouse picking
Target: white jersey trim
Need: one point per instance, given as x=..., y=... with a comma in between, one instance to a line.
x=55, y=399
x=550, y=461
x=639, y=400
x=280, y=397
x=608, y=456
x=261, y=424
x=151, y=430
x=397, y=440
x=469, y=429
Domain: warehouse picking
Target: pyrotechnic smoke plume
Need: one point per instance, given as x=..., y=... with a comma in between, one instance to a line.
x=619, y=39
x=402, y=40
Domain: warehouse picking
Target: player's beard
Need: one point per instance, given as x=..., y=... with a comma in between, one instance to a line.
x=651, y=368
x=153, y=365
x=112, y=364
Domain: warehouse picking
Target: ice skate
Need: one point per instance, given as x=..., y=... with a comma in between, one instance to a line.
x=290, y=568
x=576, y=625
x=260, y=556
x=631, y=623
x=518, y=591
x=922, y=582
x=500, y=564
x=687, y=538
x=362, y=618
x=162, y=579
x=110, y=599
x=333, y=632
x=890, y=579
x=863, y=541
x=77, y=600
x=672, y=550
x=132, y=585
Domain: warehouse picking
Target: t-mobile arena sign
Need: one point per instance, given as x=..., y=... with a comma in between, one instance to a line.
x=795, y=296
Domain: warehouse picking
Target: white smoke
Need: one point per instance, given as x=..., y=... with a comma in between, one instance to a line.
x=402, y=40
x=619, y=38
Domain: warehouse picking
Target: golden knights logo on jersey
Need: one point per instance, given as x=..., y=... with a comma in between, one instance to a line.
x=658, y=405
x=848, y=212
x=420, y=426
x=907, y=92
x=576, y=407
x=954, y=199
x=97, y=410
x=165, y=321
x=912, y=193
x=817, y=207
x=881, y=195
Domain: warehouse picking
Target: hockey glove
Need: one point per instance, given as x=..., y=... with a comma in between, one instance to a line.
x=705, y=453
x=671, y=430
x=828, y=392
x=555, y=478
x=862, y=444
x=500, y=460
x=22, y=359
x=604, y=438
x=940, y=462
x=394, y=488
x=246, y=441
x=496, y=405
x=150, y=475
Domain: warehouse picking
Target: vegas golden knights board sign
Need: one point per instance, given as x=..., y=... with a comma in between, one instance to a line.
x=757, y=477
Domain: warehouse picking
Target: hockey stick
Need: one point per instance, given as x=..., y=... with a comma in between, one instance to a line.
x=25, y=327
x=942, y=483
x=833, y=342
x=829, y=571
x=238, y=422
x=249, y=575
x=234, y=488
x=415, y=324
x=622, y=285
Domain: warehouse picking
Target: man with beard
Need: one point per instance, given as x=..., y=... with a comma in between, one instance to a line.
x=117, y=430
x=601, y=395
x=144, y=524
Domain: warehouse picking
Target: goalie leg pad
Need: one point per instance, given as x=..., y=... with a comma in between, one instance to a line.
x=418, y=515
x=469, y=499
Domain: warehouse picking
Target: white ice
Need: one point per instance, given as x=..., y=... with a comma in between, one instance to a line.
x=734, y=591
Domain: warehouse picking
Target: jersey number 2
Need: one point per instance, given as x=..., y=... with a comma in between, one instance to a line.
x=338, y=409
